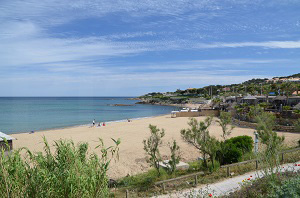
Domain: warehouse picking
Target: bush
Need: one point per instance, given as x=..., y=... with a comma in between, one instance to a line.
x=68, y=172
x=297, y=125
x=231, y=150
x=245, y=143
x=229, y=153
x=288, y=188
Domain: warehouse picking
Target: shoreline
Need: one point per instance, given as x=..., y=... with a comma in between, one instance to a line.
x=83, y=125
x=131, y=154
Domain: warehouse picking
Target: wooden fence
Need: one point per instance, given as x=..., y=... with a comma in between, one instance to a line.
x=195, y=175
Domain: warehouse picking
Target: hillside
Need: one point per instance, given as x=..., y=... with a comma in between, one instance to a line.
x=274, y=86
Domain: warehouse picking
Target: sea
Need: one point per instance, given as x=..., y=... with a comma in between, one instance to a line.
x=27, y=114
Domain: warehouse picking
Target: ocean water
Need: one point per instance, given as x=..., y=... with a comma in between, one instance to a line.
x=25, y=114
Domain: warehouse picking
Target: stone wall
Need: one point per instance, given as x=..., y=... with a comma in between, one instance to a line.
x=209, y=112
x=187, y=114
x=205, y=112
x=254, y=125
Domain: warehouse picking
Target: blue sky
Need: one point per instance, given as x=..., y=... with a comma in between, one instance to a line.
x=129, y=48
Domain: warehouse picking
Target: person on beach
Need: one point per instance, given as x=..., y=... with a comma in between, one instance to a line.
x=93, y=122
x=103, y=124
x=99, y=125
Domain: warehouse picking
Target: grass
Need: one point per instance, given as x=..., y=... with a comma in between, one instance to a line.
x=68, y=171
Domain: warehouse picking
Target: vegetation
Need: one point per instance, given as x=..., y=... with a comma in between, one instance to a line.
x=244, y=143
x=175, y=157
x=297, y=125
x=272, y=142
x=283, y=185
x=151, y=146
x=253, y=86
x=198, y=136
x=69, y=171
x=224, y=121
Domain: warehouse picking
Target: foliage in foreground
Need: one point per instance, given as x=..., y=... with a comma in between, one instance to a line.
x=279, y=186
x=68, y=172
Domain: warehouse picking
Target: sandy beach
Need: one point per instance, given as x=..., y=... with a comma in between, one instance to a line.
x=132, y=156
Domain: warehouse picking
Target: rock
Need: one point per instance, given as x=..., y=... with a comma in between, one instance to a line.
x=117, y=105
x=179, y=166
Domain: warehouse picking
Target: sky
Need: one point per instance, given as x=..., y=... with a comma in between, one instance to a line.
x=130, y=48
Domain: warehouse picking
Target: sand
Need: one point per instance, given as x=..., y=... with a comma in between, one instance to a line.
x=132, y=156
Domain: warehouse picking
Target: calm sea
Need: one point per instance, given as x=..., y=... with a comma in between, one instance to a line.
x=25, y=114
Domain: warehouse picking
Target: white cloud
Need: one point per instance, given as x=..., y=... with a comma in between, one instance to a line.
x=268, y=44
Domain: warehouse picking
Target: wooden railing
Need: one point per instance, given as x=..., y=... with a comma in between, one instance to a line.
x=195, y=175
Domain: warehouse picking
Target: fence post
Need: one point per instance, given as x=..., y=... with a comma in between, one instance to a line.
x=127, y=194
x=196, y=180
x=282, y=157
x=228, y=171
x=256, y=164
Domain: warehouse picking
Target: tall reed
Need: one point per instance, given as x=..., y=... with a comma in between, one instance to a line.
x=68, y=171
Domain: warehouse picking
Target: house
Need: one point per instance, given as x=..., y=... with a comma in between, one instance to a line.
x=251, y=100
x=226, y=89
x=9, y=140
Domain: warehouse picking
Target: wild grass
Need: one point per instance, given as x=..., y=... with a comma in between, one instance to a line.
x=68, y=171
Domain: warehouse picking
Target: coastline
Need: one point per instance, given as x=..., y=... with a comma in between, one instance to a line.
x=132, y=156
x=84, y=125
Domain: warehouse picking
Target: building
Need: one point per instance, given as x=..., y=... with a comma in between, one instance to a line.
x=9, y=140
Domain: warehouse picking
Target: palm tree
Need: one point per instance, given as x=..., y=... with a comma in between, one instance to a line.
x=266, y=90
x=288, y=89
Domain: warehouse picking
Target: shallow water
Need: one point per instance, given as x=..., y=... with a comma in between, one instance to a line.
x=24, y=114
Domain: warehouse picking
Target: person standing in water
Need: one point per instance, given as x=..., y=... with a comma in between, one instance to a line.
x=93, y=122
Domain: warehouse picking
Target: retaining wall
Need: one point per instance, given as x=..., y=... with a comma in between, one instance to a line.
x=254, y=125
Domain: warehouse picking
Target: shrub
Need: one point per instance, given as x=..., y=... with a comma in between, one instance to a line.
x=285, y=108
x=68, y=172
x=244, y=143
x=175, y=157
x=297, y=125
x=229, y=153
x=151, y=146
x=297, y=111
x=288, y=188
x=232, y=149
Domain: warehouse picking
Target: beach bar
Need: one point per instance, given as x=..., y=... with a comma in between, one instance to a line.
x=9, y=140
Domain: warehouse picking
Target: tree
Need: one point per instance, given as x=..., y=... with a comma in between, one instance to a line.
x=198, y=135
x=151, y=146
x=175, y=156
x=211, y=148
x=269, y=138
x=266, y=90
x=225, y=120
x=288, y=89
x=254, y=111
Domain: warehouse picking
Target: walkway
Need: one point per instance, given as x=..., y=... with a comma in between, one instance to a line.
x=229, y=185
